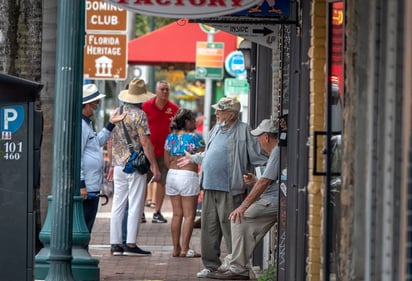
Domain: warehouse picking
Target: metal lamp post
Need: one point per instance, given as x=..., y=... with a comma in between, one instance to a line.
x=64, y=233
x=69, y=77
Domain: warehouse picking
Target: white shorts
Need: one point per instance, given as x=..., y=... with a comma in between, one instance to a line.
x=182, y=182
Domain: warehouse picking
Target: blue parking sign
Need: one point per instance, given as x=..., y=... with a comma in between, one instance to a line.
x=12, y=118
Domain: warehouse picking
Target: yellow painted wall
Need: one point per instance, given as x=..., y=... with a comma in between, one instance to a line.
x=317, y=54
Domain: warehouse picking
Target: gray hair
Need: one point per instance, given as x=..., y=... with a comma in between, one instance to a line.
x=162, y=82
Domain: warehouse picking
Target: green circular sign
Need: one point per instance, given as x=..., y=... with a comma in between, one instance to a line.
x=207, y=28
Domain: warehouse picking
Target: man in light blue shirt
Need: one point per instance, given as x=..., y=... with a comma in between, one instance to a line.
x=91, y=169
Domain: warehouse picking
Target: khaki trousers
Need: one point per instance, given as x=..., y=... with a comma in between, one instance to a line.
x=258, y=220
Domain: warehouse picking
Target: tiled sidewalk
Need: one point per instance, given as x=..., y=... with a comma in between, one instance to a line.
x=153, y=237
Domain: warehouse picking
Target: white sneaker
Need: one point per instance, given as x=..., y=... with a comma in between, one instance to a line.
x=203, y=273
x=225, y=266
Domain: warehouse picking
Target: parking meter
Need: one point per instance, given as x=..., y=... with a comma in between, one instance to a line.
x=20, y=141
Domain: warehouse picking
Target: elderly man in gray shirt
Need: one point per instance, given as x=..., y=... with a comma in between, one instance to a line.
x=230, y=152
x=258, y=211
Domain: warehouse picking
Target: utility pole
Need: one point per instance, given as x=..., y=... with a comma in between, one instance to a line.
x=64, y=234
x=69, y=80
x=66, y=136
x=208, y=93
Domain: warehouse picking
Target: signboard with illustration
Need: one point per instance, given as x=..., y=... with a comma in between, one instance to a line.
x=105, y=51
x=235, y=64
x=268, y=8
x=105, y=56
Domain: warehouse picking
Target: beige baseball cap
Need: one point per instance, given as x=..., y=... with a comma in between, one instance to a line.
x=266, y=126
x=227, y=103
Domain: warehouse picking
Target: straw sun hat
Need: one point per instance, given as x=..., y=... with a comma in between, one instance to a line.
x=136, y=93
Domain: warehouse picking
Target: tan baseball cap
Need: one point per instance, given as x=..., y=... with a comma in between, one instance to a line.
x=266, y=126
x=227, y=103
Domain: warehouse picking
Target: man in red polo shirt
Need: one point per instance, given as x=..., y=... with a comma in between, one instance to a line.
x=160, y=111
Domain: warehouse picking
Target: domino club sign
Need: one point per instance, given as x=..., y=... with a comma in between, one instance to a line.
x=184, y=8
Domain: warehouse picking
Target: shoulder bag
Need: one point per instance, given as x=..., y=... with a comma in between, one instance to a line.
x=137, y=160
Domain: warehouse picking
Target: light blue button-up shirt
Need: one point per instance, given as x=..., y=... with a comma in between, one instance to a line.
x=91, y=171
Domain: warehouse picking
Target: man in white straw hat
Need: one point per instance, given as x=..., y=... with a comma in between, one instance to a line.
x=230, y=152
x=258, y=211
x=91, y=167
x=130, y=187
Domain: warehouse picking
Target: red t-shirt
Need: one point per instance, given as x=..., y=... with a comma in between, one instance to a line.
x=159, y=123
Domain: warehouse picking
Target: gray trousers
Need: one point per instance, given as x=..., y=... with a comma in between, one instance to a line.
x=216, y=207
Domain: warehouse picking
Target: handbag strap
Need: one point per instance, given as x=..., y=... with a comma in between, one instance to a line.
x=126, y=133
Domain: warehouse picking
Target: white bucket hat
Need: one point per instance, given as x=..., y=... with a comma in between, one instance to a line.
x=91, y=93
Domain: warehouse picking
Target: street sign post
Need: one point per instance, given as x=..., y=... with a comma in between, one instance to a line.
x=101, y=15
x=236, y=87
x=105, y=52
x=235, y=64
x=209, y=60
x=208, y=29
x=105, y=56
x=258, y=33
